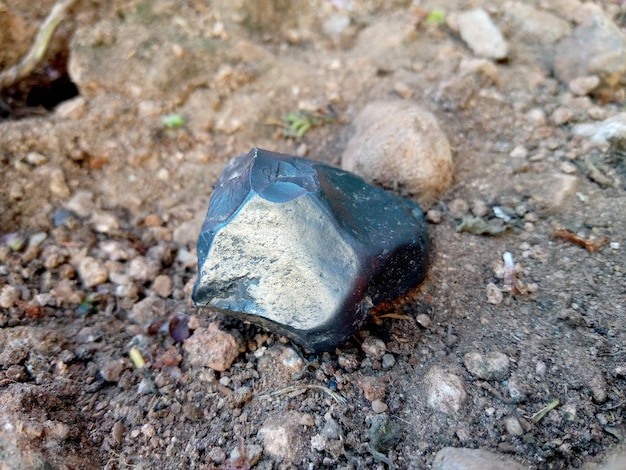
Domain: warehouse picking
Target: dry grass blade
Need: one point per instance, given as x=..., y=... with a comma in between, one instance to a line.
x=38, y=50
x=293, y=388
x=544, y=411
x=590, y=245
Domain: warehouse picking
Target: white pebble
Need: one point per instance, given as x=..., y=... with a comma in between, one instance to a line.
x=9, y=296
x=445, y=391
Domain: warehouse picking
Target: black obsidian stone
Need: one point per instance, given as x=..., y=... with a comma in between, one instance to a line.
x=305, y=249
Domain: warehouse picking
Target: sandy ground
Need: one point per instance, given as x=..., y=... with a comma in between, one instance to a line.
x=101, y=204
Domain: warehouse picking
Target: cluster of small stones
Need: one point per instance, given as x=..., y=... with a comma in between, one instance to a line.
x=93, y=260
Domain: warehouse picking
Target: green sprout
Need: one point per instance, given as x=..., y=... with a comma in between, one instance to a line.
x=436, y=17
x=297, y=123
x=89, y=305
x=16, y=244
x=173, y=121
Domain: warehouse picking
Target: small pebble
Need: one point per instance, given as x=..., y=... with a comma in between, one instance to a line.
x=112, y=370
x=81, y=204
x=216, y=455
x=513, y=426
x=374, y=388
x=479, y=208
x=105, y=222
x=56, y=182
x=519, y=152
x=569, y=412
x=562, y=115
x=252, y=454
x=374, y=347
x=379, y=406
x=283, y=436
x=9, y=296
x=389, y=360
x=445, y=391
x=211, y=347
x=597, y=385
x=582, y=86
x=148, y=430
x=36, y=159
x=153, y=220
x=458, y=458
x=307, y=420
x=434, y=216
x=143, y=269
x=423, y=320
x=419, y=163
x=541, y=368
x=481, y=34
x=490, y=366
x=92, y=272
x=118, y=432
x=458, y=208
x=494, y=294
x=536, y=116
x=162, y=285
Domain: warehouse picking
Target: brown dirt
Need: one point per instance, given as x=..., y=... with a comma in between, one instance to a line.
x=229, y=69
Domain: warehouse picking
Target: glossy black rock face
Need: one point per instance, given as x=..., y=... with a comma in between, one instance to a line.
x=305, y=249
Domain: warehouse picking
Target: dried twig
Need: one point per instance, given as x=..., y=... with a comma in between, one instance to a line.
x=293, y=388
x=38, y=50
x=590, y=245
x=544, y=411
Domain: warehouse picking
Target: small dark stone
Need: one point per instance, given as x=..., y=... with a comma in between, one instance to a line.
x=305, y=249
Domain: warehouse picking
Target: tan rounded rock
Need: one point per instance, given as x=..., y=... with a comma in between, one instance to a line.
x=400, y=146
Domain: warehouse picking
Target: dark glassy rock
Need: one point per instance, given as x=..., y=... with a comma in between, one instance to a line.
x=305, y=249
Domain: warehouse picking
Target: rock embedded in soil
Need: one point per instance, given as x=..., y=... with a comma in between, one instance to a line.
x=536, y=24
x=445, y=391
x=211, y=347
x=481, y=34
x=490, y=366
x=305, y=249
x=283, y=436
x=400, y=145
x=458, y=458
x=92, y=272
x=9, y=296
x=596, y=47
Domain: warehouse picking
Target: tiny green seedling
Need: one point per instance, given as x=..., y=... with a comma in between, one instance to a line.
x=436, y=17
x=173, y=121
x=88, y=306
x=297, y=123
x=544, y=411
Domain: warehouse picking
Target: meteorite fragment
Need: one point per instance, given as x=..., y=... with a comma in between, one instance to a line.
x=305, y=249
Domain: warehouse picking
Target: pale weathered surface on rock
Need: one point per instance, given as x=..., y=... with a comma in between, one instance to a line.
x=304, y=248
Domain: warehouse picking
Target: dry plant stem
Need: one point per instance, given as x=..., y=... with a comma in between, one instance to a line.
x=38, y=50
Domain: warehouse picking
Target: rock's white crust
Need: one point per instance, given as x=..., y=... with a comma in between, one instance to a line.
x=301, y=285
